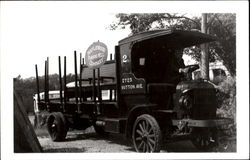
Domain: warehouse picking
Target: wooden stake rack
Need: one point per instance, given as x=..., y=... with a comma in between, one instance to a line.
x=79, y=101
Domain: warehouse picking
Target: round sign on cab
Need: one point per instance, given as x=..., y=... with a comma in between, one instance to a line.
x=96, y=55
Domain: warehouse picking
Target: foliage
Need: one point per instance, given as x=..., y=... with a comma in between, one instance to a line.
x=26, y=88
x=227, y=103
x=220, y=25
x=224, y=27
x=144, y=22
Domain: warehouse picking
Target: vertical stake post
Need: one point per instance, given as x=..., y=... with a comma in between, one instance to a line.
x=111, y=90
x=93, y=88
x=99, y=92
x=65, y=88
x=37, y=85
x=110, y=56
x=76, y=86
x=98, y=85
x=48, y=80
x=45, y=84
x=60, y=82
x=80, y=81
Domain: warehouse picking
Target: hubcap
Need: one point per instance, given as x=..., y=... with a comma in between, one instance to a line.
x=53, y=125
x=53, y=128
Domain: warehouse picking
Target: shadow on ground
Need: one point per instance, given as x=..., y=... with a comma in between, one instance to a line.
x=184, y=146
x=110, y=138
x=180, y=146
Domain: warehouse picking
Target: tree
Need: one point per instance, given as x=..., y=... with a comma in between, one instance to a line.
x=220, y=25
x=224, y=27
x=144, y=22
x=26, y=88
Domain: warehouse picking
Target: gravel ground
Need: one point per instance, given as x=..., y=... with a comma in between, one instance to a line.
x=88, y=141
x=79, y=141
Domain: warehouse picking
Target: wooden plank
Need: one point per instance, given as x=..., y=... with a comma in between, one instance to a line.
x=107, y=70
x=25, y=139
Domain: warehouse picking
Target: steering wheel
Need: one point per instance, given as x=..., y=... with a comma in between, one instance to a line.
x=193, y=67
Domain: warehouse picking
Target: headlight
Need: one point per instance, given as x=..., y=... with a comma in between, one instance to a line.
x=185, y=101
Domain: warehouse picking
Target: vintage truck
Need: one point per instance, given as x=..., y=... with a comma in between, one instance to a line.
x=138, y=94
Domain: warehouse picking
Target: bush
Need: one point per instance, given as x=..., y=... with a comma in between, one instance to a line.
x=227, y=104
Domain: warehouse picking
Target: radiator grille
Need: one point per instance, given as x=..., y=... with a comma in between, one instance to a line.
x=205, y=104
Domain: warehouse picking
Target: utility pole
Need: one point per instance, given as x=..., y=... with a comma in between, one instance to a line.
x=204, y=50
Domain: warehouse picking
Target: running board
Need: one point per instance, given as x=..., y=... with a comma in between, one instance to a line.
x=201, y=123
x=113, y=125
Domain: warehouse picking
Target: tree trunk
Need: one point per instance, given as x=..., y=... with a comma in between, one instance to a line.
x=204, y=51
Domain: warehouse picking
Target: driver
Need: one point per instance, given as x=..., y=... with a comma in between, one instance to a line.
x=180, y=66
x=176, y=68
x=184, y=71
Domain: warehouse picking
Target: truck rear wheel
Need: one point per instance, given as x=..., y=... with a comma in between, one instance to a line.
x=57, y=126
x=146, y=134
x=204, y=139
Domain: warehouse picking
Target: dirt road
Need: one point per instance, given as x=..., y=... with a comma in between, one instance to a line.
x=89, y=141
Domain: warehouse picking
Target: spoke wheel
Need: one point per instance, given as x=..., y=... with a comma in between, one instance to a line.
x=204, y=139
x=146, y=134
x=57, y=127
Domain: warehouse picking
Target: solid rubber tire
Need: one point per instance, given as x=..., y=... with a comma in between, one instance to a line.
x=156, y=130
x=59, y=120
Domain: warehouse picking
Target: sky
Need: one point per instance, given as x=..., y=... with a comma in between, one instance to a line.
x=32, y=32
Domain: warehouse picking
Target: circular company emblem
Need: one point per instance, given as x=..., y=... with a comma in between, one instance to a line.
x=96, y=55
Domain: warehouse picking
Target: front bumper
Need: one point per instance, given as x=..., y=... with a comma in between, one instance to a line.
x=202, y=123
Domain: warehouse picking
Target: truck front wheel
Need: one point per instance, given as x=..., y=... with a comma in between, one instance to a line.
x=204, y=139
x=146, y=134
x=57, y=127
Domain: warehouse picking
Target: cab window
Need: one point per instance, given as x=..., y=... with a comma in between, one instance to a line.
x=150, y=61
